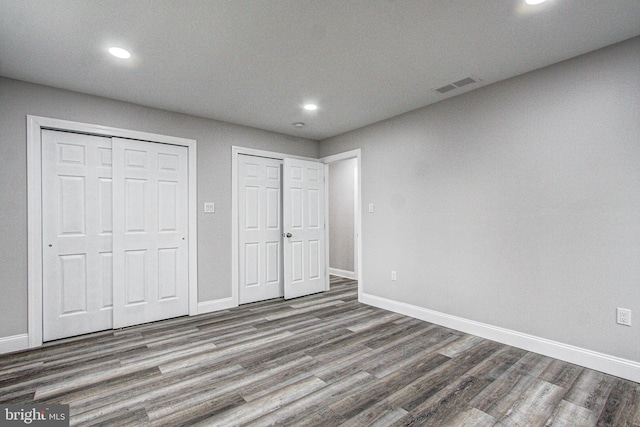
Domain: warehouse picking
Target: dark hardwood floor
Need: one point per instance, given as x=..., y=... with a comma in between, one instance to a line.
x=322, y=360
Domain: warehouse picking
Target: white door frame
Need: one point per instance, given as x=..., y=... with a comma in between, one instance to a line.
x=35, y=124
x=235, y=227
x=353, y=154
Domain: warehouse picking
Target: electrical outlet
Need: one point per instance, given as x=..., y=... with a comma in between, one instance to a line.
x=370, y=207
x=209, y=207
x=623, y=316
x=393, y=275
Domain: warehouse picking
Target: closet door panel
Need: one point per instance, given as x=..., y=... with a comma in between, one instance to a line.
x=76, y=233
x=150, y=205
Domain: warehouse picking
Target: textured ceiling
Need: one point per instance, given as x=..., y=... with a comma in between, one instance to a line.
x=256, y=62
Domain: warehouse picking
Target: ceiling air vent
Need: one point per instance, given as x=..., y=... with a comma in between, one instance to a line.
x=455, y=85
x=445, y=89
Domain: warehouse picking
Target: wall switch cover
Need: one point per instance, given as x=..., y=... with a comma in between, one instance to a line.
x=209, y=207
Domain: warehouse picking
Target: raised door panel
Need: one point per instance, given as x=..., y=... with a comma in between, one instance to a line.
x=168, y=266
x=73, y=284
x=167, y=206
x=136, y=282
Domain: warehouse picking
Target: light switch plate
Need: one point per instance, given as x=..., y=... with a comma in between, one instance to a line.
x=209, y=207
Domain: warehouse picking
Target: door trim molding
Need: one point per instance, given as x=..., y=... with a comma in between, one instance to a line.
x=35, y=124
x=235, y=227
x=352, y=154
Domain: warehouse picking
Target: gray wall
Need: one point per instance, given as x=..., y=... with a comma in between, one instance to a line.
x=341, y=214
x=17, y=99
x=515, y=205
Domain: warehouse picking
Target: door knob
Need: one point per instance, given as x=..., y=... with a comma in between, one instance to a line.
x=288, y=235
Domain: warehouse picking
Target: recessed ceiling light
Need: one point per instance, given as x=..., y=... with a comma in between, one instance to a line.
x=534, y=2
x=298, y=125
x=310, y=107
x=119, y=52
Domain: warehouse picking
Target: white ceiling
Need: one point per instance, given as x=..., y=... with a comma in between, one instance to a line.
x=256, y=62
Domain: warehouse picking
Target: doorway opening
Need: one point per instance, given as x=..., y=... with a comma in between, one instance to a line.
x=344, y=219
x=342, y=191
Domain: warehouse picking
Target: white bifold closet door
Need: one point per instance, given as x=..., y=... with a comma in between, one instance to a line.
x=260, y=225
x=114, y=233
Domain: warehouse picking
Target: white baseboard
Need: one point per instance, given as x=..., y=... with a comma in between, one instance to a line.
x=342, y=273
x=608, y=364
x=215, y=305
x=14, y=343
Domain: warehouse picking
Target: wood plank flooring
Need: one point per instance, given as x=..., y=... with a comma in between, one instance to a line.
x=322, y=360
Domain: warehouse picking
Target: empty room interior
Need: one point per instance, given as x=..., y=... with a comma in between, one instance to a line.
x=299, y=212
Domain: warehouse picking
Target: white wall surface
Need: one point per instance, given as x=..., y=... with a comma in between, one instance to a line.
x=214, y=142
x=516, y=205
x=341, y=214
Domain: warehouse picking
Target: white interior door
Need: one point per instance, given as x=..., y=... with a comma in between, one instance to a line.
x=304, y=228
x=76, y=234
x=150, y=206
x=260, y=225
